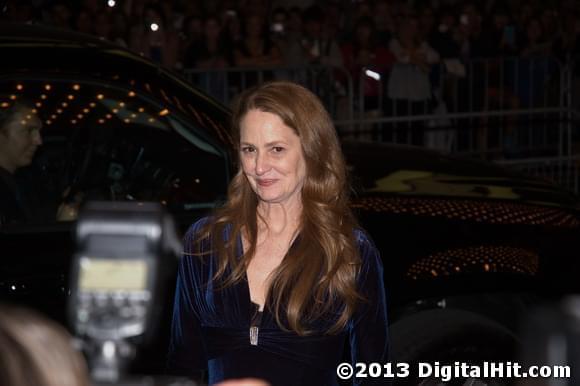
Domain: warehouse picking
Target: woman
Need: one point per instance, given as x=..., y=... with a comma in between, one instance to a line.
x=274, y=282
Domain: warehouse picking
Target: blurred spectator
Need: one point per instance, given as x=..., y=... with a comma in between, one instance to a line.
x=60, y=15
x=256, y=48
x=409, y=79
x=383, y=21
x=290, y=40
x=427, y=23
x=567, y=44
x=534, y=43
x=93, y=7
x=409, y=86
x=232, y=31
x=119, y=28
x=470, y=34
x=154, y=38
x=317, y=48
x=365, y=54
x=35, y=351
x=209, y=51
x=550, y=22
x=501, y=35
x=83, y=21
x=19, y=12
x=444, y=39
x=191, y=35
x=103, y=27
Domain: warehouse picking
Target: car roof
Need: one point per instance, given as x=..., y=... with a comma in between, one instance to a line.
x=70, y=54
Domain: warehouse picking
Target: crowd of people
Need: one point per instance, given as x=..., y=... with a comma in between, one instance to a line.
x=207, y=34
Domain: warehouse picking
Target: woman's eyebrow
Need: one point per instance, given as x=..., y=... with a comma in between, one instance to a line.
x=269, y=144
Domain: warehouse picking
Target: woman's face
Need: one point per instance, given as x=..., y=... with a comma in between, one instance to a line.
x=271, y=157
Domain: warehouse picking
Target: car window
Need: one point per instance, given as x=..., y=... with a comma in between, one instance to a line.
x=108, y=142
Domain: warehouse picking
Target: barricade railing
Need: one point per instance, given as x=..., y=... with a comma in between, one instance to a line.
x=334, y=85
x=482, y=139
x=496, y=108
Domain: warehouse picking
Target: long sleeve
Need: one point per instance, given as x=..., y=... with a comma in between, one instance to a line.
x=187, y=354
x=368, y=328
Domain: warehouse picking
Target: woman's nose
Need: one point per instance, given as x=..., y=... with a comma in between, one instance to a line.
x=262, y=164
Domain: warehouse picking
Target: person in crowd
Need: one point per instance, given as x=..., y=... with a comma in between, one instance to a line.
x=567, y=44
x=191, y=35
x=427, y=23
x=155, y=38
x=19, y=140
x=209, y=51
x=60, y=15
x=366, y=53
x=119, y=28
x=35, y=351
x=83, y=21
x=289, y=40
x=443, y=39
x=103, y=26
x=383, y=19
x=409, y=87
x=232, y=32
x=273, y=283
x=316, y=47
x=256, y=48
x=502, y=36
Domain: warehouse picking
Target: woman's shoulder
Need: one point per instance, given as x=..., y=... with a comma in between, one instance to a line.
x=198, y=231
x=363, y=239
x=369, y=253
x=195, y=233
x=198, y=225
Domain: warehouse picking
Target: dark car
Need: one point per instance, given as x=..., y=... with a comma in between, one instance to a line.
x=467, y=246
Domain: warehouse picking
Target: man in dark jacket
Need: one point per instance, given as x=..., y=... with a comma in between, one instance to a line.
x=19, y=140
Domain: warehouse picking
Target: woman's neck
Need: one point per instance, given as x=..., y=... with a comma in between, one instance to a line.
x=278, y=218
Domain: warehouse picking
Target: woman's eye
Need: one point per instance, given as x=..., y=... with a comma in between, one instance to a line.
x=247, y=149
x=278, y=149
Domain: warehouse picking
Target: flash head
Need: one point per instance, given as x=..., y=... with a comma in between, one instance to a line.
x=125, y=254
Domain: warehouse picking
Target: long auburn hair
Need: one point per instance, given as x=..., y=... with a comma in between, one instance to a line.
x=317, y=277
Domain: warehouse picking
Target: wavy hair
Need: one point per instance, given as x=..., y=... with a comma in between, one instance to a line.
x=317, y=277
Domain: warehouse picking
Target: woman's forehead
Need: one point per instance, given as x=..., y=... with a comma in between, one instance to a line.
x=264, y=126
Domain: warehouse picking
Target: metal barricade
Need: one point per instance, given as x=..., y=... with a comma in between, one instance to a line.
x=333, y=85
x=500, y=107
x=494, y=108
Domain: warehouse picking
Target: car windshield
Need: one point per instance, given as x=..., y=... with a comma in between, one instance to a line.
x=110, y=142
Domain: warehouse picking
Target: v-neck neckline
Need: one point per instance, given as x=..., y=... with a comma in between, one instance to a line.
x=246, y=283
x=249, y=303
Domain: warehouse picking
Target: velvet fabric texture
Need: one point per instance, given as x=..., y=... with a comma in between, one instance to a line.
x=211, y=327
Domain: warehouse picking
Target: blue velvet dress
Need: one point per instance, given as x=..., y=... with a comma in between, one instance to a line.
x=211, y=328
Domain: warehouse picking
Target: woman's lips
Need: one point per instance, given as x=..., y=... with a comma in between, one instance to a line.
x=265, y=182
